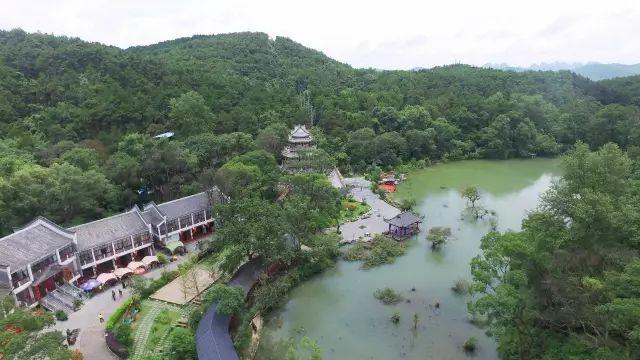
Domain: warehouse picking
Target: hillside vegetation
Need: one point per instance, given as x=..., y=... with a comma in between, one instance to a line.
x=76, y=118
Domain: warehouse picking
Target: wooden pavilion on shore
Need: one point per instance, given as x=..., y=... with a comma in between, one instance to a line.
x=403, y=225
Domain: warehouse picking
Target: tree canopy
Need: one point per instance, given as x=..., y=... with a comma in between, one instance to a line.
x=564, y=286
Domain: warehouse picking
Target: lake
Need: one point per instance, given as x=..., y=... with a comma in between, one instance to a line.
x=337, y=308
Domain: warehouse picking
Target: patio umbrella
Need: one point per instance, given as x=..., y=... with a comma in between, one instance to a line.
x=148, y=260
x=174, y=245
x=106, y=277
x=121, y=272
x=90, y=285
x=135, y=265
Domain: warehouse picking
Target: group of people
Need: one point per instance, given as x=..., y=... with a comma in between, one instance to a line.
x=113, y=296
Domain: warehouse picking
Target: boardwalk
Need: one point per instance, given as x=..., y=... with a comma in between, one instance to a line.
x=354, y=230
x=182, y=290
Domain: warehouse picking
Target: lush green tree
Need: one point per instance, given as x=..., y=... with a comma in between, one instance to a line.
x=190, y=115
x=580, y=250
x=230, y=299
x=182, y=344
x=82, y=158
x=251, y=226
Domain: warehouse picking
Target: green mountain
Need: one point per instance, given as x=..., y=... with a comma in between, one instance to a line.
x=594, y=71
x=81, y=115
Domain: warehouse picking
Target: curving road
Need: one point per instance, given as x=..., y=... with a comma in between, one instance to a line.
x=213, y=341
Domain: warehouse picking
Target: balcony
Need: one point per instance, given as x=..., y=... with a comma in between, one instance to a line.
x=20, y=285
x=66, y=259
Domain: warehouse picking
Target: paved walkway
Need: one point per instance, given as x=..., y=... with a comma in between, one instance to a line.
x=91, y=338
x=213, y=341
x=141, y=349
x=380, y=210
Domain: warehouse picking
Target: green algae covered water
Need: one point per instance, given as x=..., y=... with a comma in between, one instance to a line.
x=337, y=309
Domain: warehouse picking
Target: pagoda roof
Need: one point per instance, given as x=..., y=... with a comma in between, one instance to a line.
x=404, y=219
x=300, y=134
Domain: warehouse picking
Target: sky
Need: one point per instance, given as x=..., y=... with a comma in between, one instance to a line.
x=379, y=34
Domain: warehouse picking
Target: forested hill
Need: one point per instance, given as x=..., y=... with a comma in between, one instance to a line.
x=76, y=118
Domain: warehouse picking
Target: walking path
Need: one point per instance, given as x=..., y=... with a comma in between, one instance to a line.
x=91, y=338
x=374, y=224
x=213, y=341
x=143, y=331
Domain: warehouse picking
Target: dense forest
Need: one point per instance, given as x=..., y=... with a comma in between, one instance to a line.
x=77, y=119
x=568, y=285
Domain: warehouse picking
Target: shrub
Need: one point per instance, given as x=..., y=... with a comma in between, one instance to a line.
x=115, y=346
x=470, y=344
x=122, y=333
x=61, y=315
x=119, y=313
x=182, y=344
x=461, y=286
x=381, y=250
x=162, y=258
x=438, y=236
x=356, y=252
x=388, y=296
x=395, y=318
x=163, y=317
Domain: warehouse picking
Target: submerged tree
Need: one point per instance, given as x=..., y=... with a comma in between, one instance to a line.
x=472, y=195
x=438, y=236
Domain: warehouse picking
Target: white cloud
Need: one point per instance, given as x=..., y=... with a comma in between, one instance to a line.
x=382, y=34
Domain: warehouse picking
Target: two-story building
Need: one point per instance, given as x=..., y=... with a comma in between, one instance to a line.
x=109, y=243
x=36, y=259
x=44, y=259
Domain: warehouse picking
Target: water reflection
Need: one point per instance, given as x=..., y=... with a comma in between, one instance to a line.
x=337, y=308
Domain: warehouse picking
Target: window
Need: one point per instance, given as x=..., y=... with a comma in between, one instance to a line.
x=103, y=251
x=123, y=245
x=141, y=239
x=172, y=225
x=198, y=217
x=185, y=221
x=86, y=257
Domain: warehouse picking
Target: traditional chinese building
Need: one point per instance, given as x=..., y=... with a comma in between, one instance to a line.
x=41, y=262
x=403, y=225
x=296, y=155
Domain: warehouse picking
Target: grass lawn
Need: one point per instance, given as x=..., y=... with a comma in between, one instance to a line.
x=163, y=323
x=144, y=309
x=351, y=210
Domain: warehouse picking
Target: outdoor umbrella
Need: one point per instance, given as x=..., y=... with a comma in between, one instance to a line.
x=148, y=260
x=135, y=265
x=90, y=285
x=120, y=272
x=106, y=277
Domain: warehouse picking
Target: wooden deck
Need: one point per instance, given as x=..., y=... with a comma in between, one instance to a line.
x=181, y=291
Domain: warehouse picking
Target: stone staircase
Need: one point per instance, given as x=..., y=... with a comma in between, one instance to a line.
x=63, y=298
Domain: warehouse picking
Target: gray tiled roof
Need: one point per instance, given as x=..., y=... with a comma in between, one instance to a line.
x=152, y=216
x=108, y=229
x=300, y=134
x=189, y=204
x=33, y=242
x=404, y=219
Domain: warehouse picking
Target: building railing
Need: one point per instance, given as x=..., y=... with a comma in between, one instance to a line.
x=18, y=283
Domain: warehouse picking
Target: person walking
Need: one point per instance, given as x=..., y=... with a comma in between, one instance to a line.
x=101, y=318
x=120, y=292
x=113, y=295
